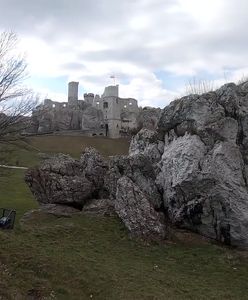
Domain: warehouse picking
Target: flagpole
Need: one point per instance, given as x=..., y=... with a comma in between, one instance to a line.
x=113, y=77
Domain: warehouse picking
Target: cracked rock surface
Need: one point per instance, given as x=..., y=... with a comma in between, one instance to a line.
x=203, y=169
x=137, y=212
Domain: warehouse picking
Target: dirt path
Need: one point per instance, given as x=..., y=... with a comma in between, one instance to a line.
x=13, y=167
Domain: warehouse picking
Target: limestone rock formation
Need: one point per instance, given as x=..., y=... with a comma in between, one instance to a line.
x=140, y=170
x=91, y=184
x=203, y=168
x=64, y=180
x=148, y=118
x=93, y=166
x=192, y=170
x=60, y=180
x=137, y=212
x=148, y=143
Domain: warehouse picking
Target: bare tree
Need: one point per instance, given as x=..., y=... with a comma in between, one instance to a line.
x=16, y=101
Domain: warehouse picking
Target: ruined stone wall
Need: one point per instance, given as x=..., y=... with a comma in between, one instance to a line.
x=120, y=114
x=56, y=116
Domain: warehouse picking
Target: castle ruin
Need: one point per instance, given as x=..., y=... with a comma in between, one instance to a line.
x=107, y=114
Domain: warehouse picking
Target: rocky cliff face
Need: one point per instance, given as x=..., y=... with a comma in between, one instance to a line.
x=192, y=172
x=203, y=175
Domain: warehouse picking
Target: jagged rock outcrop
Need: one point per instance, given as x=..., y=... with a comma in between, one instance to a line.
x=203, y=168
x=137, y=212
x=148, y=118
x=148, y=143
x=140, y=170
x=94, y=185
x=94, y=167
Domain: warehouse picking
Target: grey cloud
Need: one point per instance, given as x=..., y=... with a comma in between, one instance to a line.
x=181, y=40
x=73, y=66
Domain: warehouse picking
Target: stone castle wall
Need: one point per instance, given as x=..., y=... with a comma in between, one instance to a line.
x=94, y=113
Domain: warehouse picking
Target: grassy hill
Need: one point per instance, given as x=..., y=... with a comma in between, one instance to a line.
x=27, y=152
x=86, y=257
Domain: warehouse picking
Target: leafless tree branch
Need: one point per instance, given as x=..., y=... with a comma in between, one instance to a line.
x=16, y=101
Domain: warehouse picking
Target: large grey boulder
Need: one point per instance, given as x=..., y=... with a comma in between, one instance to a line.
x=203, y=169
x=136, y=211
x=64, y=180
x=60, y=180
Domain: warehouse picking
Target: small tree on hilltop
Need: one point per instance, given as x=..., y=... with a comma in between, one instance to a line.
x=16, y=101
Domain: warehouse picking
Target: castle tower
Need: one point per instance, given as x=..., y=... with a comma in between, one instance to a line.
x=111, y=109
x=111, y=91
x=72, y=92
x=89, y=98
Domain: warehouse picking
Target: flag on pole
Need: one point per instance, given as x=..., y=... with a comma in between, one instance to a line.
x=113, y=77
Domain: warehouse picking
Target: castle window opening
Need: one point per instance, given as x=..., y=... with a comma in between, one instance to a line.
x=130, y=103
x=54, y=105
x=125, y=106
x=64, y=105
x=105, y=105
x=97, y=102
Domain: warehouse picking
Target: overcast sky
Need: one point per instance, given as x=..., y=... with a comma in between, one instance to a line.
x=153, y=47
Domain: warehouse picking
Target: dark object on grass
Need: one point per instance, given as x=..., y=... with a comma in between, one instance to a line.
x=7, y=218
x=106, y=129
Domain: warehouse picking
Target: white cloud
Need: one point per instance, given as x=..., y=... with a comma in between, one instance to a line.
x=90, y=40
x=139, y=22
x=149, y=89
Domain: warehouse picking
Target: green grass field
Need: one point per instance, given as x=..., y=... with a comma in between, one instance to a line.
x=26, y=153
x=86, y=257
